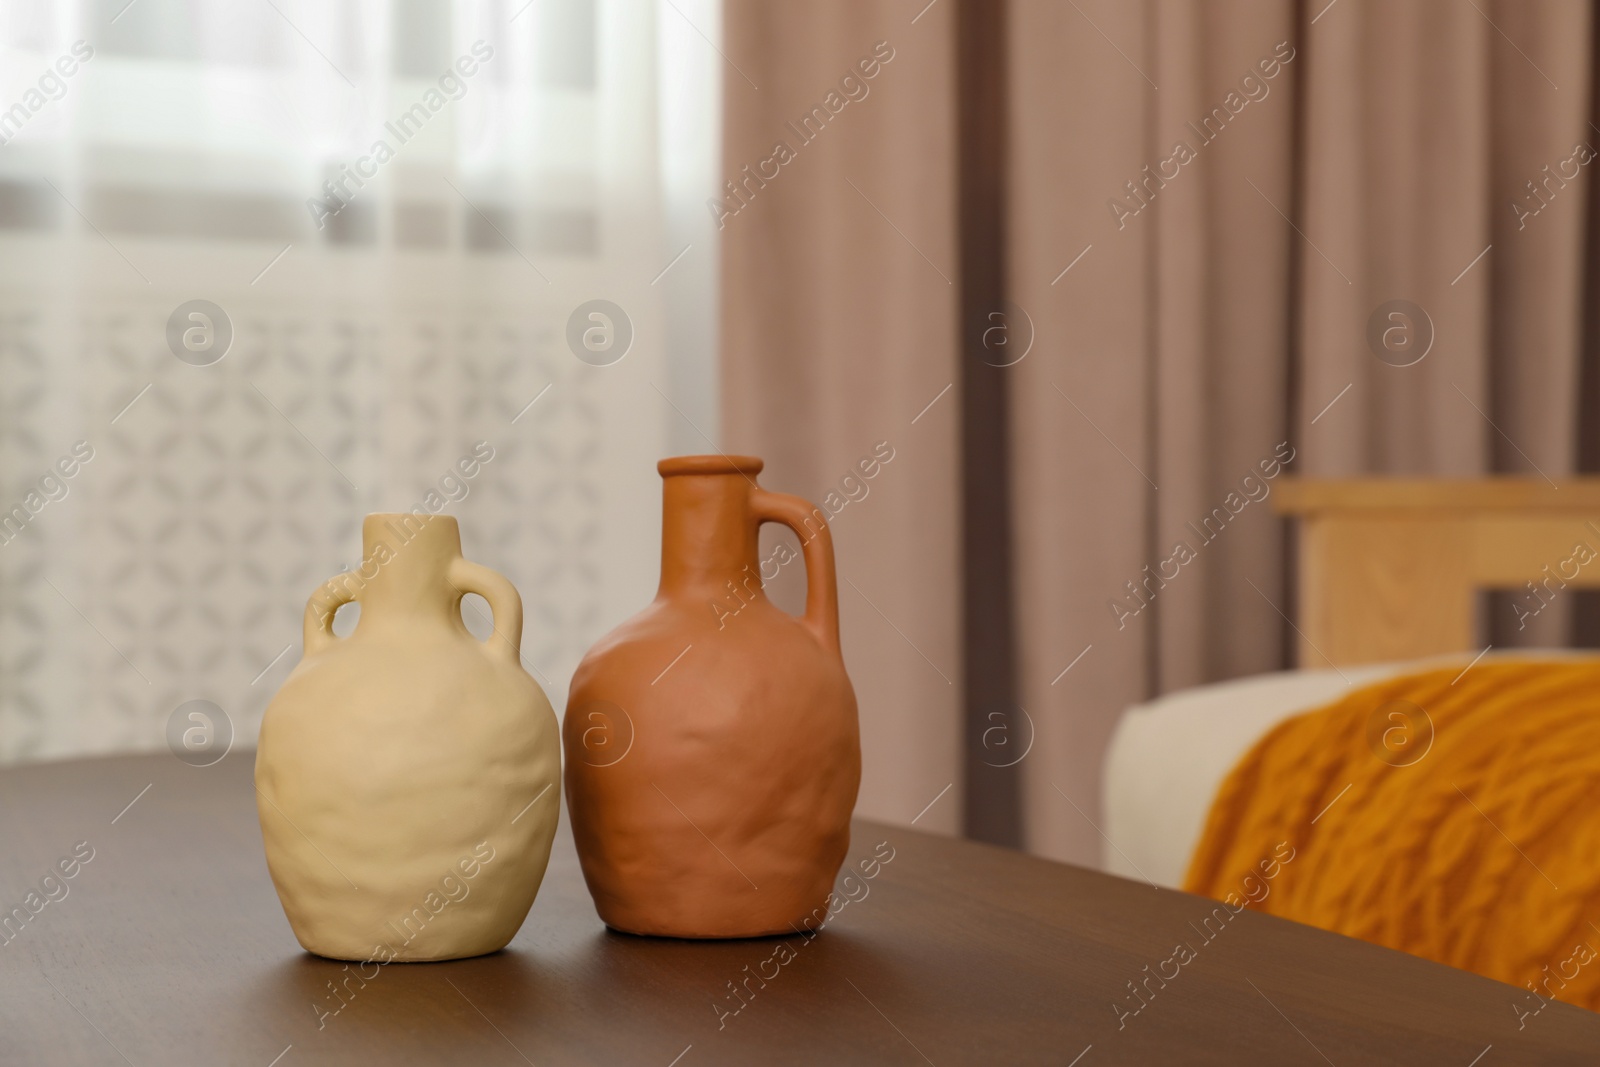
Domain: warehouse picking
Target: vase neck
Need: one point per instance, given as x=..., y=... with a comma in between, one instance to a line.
x=405, y=566
x=708, y=532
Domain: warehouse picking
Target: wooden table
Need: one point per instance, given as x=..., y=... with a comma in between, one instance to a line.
x=170, y=948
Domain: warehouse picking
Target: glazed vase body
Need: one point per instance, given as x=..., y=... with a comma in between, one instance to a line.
x=407, y=776
x=713, y=751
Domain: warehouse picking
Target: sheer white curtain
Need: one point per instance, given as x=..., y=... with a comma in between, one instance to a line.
x=391, y=311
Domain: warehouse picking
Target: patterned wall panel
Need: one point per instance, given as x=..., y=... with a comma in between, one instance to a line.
x=177, y=564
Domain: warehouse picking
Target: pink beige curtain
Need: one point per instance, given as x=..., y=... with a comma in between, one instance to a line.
x=1214, y=213
x=838, y=330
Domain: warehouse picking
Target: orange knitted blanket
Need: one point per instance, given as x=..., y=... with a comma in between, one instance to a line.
x=1454, y=818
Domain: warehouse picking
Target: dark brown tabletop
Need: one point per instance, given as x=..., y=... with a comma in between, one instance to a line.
x=169, y=948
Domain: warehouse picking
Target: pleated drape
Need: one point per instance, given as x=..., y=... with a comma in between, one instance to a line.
x=839, y=332
x=1210, y=208
x=1160, y=377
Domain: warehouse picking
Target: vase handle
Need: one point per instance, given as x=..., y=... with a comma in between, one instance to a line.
x=504, y=601
x=816, y=541
x=320, y=610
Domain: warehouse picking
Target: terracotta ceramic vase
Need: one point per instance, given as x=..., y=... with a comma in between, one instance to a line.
x=407, y=775
x=713, y=753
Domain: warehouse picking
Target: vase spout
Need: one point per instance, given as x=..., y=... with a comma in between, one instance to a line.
x=708, y=529
x=405, y=565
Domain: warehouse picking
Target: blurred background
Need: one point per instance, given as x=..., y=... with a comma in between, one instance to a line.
x=388, y=310
x=1087, y=271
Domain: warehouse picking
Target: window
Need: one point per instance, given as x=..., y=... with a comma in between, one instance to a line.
x=382, y=311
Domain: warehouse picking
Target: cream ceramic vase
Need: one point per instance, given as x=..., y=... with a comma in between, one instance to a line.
x=408, y=775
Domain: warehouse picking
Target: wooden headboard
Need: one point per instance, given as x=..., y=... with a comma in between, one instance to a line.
x=1389, y=569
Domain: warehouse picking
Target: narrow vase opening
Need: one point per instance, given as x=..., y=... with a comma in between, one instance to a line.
x=717, y=464
x=708, y=534
x=405, y=561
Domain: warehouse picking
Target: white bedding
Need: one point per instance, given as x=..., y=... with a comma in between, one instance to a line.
x=1168, y=756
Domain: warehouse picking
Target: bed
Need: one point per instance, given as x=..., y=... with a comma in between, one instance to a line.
x=1389, y=573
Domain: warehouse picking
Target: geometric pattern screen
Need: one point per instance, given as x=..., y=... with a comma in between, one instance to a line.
x=206, y=503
